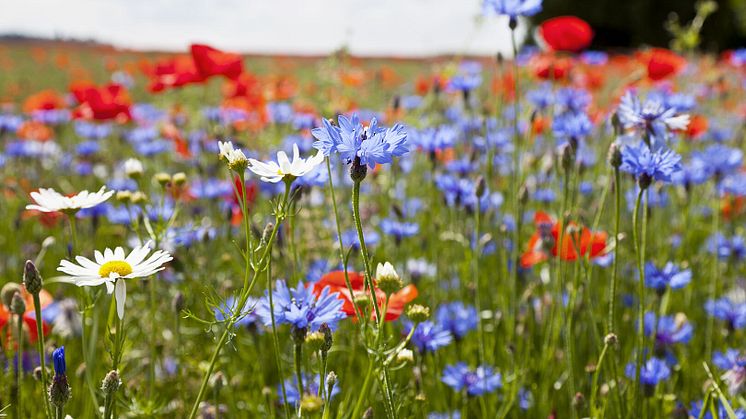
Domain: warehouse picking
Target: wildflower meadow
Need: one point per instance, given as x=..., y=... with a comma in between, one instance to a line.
x=556, y=232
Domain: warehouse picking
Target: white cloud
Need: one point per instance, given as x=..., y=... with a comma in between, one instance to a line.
x=382, y=27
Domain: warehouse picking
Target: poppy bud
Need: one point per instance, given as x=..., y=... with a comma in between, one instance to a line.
x=568, y=157
x=615, y=156
x=178, y=303
x=267, y=232
x=218, y=381
x=418, y=313
x=481, y=186
x=31, y=278
x=8, y=291
x=513, y=23
x=37, y=374
x=328, y=339
x=17, y=304
x=523, y=195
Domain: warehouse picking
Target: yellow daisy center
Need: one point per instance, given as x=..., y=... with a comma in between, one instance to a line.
x=119, y=266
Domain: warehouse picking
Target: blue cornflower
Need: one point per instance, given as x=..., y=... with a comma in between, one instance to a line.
x=649, y=165
x=570, y=99
x=651, y=118
x=525, y=398
x=457, y=318
x=542, y=97
x=693, y=172
x=733, y=184
x=311, y=385
x=58, y=359
x=511, y=8
x=572, y=125
x=482, y=380
x=696, y=411
x=668, y=330
x=735, y=369
x=465, y=82
x=87, y=148
x=280, y=112
x=428, y=336
x=727, y=248
x=734, y=314
x=652, y=372
x=728, y=359
x=434, y=139
x=351, y=238
x=301, y=308
x=720, y=160
x=371, y=145
x=671, y=276
x=399, y=229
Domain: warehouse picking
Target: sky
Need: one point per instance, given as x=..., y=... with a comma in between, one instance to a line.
x=366, y=27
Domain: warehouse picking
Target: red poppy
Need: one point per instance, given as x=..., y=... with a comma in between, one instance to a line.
x=174, y=72
x=576, y=238
x=34, y=131
x=551, y=68
x=566, y=33
x=29, y=316
x=213, y=62
x=662, y=63
x=102, y=103
x=335, y=280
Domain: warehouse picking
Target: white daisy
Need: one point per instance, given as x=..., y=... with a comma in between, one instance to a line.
x=237, y=161
x=49, y=200
x=111, y=268
x=276, y=171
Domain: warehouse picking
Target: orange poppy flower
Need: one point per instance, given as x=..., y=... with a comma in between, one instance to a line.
x=43, y=101
x=575, y=239
x=34, y=131
x=335, y=280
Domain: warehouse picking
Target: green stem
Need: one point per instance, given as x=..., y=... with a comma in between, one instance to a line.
x=275, y=340
x=40, y=348
x=615, y=262
x=388, y=397
x=19, y=366
x=639, y=239
x=715, y=283
x=298, y=373
x=342, y=260
x=478, y=289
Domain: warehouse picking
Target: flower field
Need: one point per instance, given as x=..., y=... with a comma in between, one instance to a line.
x=557, y=234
